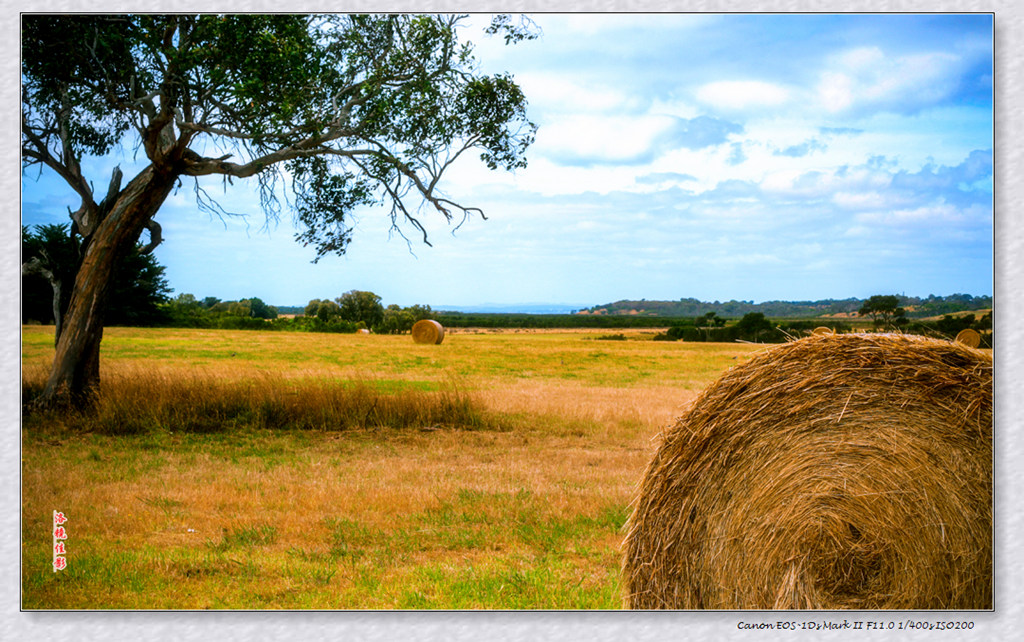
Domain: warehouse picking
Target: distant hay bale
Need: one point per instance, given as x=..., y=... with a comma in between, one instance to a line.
x=969, y=338
x=822, y=330
x=835, y=472
x=427, y=331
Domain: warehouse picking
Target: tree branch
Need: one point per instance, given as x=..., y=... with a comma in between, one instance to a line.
x=155, y=236
x=85, y=217
x=196, y=165
x=113, y=189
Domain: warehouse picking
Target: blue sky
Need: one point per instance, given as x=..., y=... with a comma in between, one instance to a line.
x=745, y=156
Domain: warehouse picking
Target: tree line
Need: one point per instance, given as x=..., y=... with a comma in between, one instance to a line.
x=914, y=307
x=353, y=311
x=884, y=316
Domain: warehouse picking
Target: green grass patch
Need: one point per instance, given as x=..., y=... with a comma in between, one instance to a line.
x=247, y=536
x=547, y=584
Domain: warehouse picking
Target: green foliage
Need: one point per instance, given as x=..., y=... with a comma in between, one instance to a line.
x=260, y=310
x=951, y=325
x=253, y=314
x=398, y=320
x=523, y=29
x=884, y=311
x=50, y=256
x=327, y=310
x=358, y=306
x=315, y=324
x=753, y=324
x=137, y=291
x=395, y=321
x=323, y=309
x=78, y=67
x=363, y=309
x=185, y=311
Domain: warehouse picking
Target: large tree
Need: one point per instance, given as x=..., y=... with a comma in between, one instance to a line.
x=352, y=110
x=361, y=306
x=753, y=324
x=885, y=311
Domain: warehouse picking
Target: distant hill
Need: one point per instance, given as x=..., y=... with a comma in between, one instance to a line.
x=916, y=307
x=522, y=308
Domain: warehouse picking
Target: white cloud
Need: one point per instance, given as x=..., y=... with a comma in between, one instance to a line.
x=835, y=91
x=742, y=94
x=868, y=77
x=859, y=200
x=554, y=92
x=549, y=179
x=862, y=58
x=589, y=139
x=932, y=213
x=781, y=181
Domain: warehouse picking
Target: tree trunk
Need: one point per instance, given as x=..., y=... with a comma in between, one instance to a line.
x=75, y=374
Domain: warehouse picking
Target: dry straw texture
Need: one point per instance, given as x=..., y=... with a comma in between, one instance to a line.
x=834, y=472
x=427, y=331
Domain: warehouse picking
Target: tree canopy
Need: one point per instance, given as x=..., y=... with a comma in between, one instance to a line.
x=356, y=109
x=360, y=306
x=753, y=324
x=884, y=310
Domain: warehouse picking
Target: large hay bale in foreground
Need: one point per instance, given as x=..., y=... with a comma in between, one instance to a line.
x=833, y=472
x=427, y=331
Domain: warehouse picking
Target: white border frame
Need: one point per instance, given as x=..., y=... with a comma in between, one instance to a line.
x=1003, y=623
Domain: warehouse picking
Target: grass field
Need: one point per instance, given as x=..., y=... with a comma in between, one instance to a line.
x=245, y=470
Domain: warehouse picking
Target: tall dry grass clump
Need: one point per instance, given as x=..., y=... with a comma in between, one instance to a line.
x=833, y=472
x=135, y=400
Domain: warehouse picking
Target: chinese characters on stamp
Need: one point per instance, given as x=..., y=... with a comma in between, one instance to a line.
x=60, y=535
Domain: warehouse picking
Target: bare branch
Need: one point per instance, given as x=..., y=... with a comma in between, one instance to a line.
x=113, y=189
x=397, y=204
x=155, y=237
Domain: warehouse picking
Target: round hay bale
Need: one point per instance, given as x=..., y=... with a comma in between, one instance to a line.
x=822, y=330
x=427, y=331
x=969, y=338
x=835, y=472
